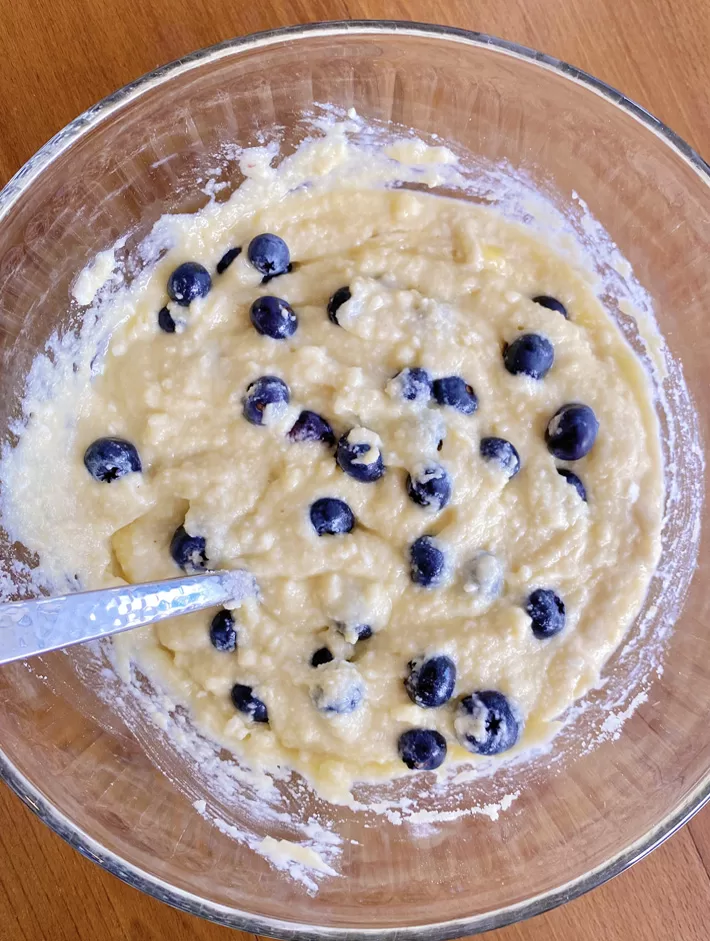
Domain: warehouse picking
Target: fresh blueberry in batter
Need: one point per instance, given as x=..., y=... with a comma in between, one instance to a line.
x=165, y=320
x=273, y=317
x=573, y=479
x=484, y=576
x=331, y=517
x=359, y=631
x=109, y=459
x=456, y=393
x=430, y=486
x=431, y=682
x=356, y=459
x=188, y=282
x=270, y=277
x=310, y=426
x=189, y=552
x=265, y=391
x=427, y=562
x=486, y=723
x=245, y=701
x=223, y=634
x=414, y=384
x=341, y=296
x=551, y=303
x=547, y=612
x=502, y=453
x=571, y=432
x=227, y=259
x=529, y=355
x=321, y=656
x=269, y=254
x=341, y=692
x=422, y=749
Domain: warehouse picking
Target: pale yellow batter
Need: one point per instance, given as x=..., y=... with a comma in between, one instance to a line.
x=435, y=283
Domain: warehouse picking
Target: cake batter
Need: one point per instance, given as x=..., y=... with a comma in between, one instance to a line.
x=409, y=418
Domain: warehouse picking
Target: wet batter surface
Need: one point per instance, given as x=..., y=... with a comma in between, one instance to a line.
x=409, y=418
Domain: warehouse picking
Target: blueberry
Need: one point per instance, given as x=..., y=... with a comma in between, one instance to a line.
x=189, y=552
x=487, y=723
x=331, y=517
x=109, y=459
x=529, y=355
x=310, y=426
x=268, y=390
x=575, y=481
x=359, y=456
x=165, y=320
x=547, y=612
x=273, y=317
x=354, y=633
x=456, y=393
x=341, y=296
x=427, y=562
x=227, y=259
x=188, y=282
x=414, y=385
x=222, y=632
x=429, y=486
x=245, y=701
x=502, y=453
x=422, y=749
x=269, y=254
x=483, y=575
x=340, y=689
x=571, y=432
x=551, y=303
x=270, y=277
x=321, y=656
x=431, y=682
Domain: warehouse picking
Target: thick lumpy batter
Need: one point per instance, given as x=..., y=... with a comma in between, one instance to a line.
x=424, y=562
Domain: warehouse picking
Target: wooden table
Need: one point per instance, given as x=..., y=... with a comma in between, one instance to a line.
x=56, y=59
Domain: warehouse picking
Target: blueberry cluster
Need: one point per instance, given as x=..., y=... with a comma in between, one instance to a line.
x=269, y=255
x=486, y=722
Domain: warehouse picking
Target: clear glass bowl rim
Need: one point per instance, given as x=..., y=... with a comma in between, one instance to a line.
x=82, y=841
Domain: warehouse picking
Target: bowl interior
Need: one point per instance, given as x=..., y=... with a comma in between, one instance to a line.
x=75, y=741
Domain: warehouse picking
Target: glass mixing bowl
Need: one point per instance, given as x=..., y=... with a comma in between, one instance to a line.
x=95, y=769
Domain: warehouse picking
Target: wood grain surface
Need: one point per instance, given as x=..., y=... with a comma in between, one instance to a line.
x=59, y=57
